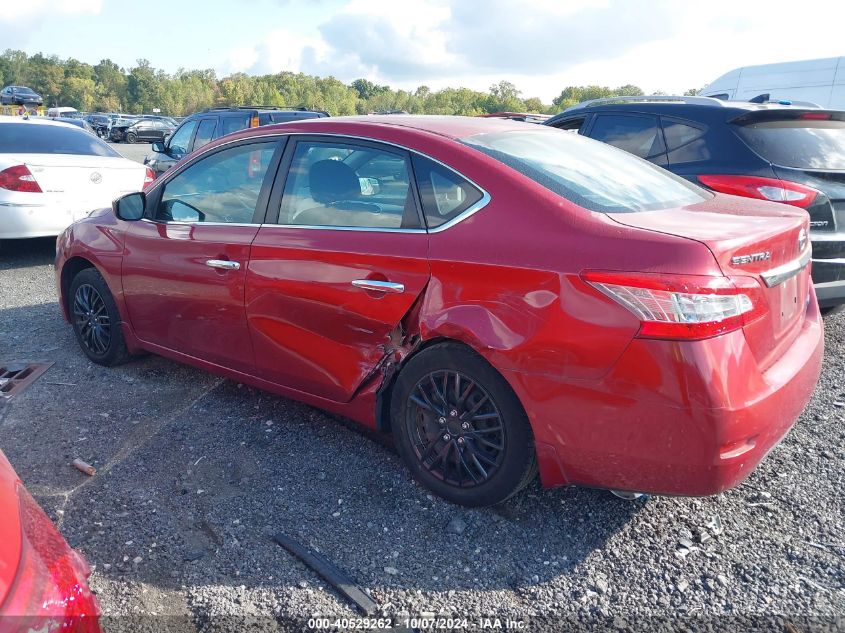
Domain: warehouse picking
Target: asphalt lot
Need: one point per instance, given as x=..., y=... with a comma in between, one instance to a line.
x=196, y=473
x=133, y=151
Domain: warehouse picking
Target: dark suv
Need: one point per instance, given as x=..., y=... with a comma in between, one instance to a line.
x=774, y=152
x=203, y=127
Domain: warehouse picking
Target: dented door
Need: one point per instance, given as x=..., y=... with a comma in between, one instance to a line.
x=315, y=326
x=345, y=260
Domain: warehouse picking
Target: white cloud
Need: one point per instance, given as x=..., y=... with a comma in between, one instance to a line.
x=33, y=9
x=546, y=45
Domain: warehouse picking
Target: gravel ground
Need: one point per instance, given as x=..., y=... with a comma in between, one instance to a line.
x=195, y=473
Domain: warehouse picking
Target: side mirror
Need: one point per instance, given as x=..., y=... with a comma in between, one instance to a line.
x=131, y=207
x=369, y=186
x=158, y=146
x=178, y=211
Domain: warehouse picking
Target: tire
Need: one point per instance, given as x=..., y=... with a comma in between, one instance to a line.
x=131, y=137
x=457, y=451
x=95, y=319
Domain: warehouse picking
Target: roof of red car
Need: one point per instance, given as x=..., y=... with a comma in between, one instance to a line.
x=444, y=125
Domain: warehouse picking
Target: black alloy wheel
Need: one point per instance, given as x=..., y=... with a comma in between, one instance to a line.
x=91, y=319
x=456, y=428
x=95, y=318
x=460, y=428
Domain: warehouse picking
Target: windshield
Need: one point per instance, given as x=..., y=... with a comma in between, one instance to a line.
x=804, y=144
x=32, y=138
x=591, y=174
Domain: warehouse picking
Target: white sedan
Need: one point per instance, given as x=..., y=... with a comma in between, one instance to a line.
x=52, y=174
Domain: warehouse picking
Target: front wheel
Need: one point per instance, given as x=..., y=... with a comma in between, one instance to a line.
x=460, y=428
x=131, y=137
x=96, y=320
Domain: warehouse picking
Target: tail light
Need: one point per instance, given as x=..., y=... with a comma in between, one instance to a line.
x=149, y=177
x=19, y=178
x=49, y=591
x=253, y=122
x=684, y=307
x=762, y=189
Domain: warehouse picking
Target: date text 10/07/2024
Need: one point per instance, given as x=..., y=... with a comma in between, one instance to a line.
x=417, y=623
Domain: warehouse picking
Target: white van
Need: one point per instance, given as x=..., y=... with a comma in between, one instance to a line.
x=61, y=111
x=819, y=81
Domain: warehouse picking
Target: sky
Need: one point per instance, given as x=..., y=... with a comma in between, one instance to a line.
x=541, y=46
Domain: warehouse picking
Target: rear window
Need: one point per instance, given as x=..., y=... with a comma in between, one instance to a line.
x=593, y=175
x=32, y=138
x=798, y=143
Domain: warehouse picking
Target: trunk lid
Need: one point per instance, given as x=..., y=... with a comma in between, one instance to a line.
x=749, y=238
x=83, y=183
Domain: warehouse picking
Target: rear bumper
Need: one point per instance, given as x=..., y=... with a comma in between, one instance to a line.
x=37, y=220
x=829, y=280
x=679, y=418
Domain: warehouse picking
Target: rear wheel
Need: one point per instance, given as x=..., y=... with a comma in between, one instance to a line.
x=131, y=137
x=95, y=319
x=460, y=428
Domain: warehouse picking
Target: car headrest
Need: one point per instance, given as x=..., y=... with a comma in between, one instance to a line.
x=332, y=180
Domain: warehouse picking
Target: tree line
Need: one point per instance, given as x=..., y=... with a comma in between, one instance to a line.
x=106, y=87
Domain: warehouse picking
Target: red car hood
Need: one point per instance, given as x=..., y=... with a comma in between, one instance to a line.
x=10, y=526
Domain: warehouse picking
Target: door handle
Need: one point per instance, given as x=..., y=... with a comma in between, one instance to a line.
x=378, y=286
x=223, y=264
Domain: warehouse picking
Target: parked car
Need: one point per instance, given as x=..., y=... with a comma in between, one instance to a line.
x=527, y=117
x=504, y=297
x=101, y=124
x=819, y=81
x=54, y=173
x=80, y=123
x=43, y=582
x=64, y=111
x=20, y=95
x=203, y=127
x=119, y=123
x=143, y=130
x=771, y=152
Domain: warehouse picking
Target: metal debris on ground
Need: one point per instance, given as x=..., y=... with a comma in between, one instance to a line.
x=85, y=467
x=17, y=376
x=330, y=573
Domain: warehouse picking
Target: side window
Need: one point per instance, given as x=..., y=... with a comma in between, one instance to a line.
x=222, y=187
x=445, y=194
x=640, y=135
x=572, y=125
x=348, y=185
x=205, y=132
x=181, y=138
x=685, y=142
x=231, y=124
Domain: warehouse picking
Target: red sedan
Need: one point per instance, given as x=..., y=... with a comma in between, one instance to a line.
x=502, y=297
x=42, y=580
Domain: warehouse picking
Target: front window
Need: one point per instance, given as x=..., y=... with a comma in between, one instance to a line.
x=593, y=175
x=223, y=187
x=181, y=138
